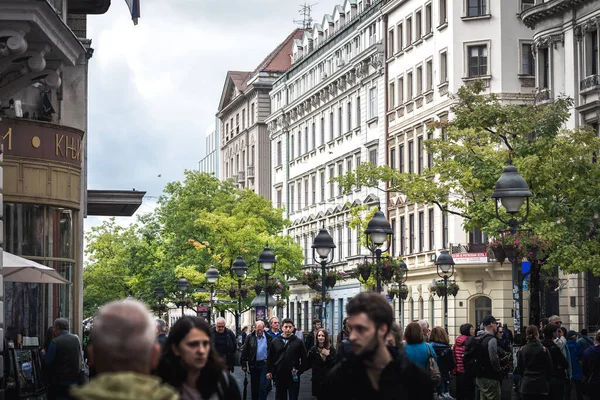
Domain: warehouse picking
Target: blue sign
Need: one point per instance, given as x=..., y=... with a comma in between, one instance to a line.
x=525, y=269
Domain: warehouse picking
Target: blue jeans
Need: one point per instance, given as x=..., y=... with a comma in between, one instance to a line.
x=287, y=387
x=259, y=381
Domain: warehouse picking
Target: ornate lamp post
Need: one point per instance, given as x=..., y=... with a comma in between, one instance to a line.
x=182, y=285
x=402, y=285
x=323, y=246
x=267, y=261
x=159, y=292
x=211, y=275
x=378, y=232
x=239, y=268
x=445, y=265
x=512, y=191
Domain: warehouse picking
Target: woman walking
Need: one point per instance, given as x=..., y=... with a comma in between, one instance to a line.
x=440, y=342
x=465, y=380
x=534, y=364
x=321, y=358
x=416, y=349
x=560, y=366
x=191, y=365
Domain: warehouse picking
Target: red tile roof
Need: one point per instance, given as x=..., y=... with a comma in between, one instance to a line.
x=240, y=79
x=280, y=59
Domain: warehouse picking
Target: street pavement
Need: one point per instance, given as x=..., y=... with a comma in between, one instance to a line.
x=305, y=389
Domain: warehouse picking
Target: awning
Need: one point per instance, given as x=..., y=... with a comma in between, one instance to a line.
x=113, y=203
x=19, y=269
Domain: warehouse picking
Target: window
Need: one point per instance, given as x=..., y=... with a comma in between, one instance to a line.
x=244, y=119
x=348, y=242
x=419, y=81
x=527, y=62
x=399, y=30
x=322, y=179
x=525, y=4
x=443, y=6
x=373, y=102
x=400, y=91
x=478, y=60
x=421, y=231
x=340, y=130
x=428, y=19
x=429, y=154
x=252, y=113
x=292, y=154
x=420, y=154
x=411, y=157
x=409, y=86
x=299, y=143
x=391, y=95
x=429, y=79
x=393, y=158
x=591, y=51
x=544, y=62
x=331, y=183
x=443, y=67
x=418, y=25
x=476, y=8
x=349, y=110
x=373, y=34
x=402, y=235
x=340, y=173
x=291, y=197
x=445, y=230
x=314, y=135
x=421, y=309
x=358, y=112
x=477, y=236
x=391, y=42
x=278, y=198
x=299, y=195
x=349, y=165
x=373, y=156
x=431, y=230
x=322, y=130
x=401, y=154
x=279, y=155
x=306, y=192
x=331, y=126
x=306, y=139
x=411, y=233
x=408, y=31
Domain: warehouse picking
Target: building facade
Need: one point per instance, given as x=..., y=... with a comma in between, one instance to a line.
x=432, y=48
x=327, y=117
x=565, y=48
x=209, y=164
x=243, y=109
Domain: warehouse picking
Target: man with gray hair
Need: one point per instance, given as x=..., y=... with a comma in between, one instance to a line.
x=161, y=331
x=425, y=326
x=124, y=351
x=223, y=340
x=63, y=359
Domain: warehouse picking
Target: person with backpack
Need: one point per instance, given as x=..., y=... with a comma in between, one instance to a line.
x=534, y=364
x=465, y=380
x=488, y=371
x=560, y=366
x=440, y=342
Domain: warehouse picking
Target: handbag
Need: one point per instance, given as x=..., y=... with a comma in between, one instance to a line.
x=433, y=369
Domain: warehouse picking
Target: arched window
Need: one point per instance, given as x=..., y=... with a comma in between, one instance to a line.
x=483, y=307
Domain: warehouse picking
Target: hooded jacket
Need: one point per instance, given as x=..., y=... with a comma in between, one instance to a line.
x=591, y=364
x=459, y=351
x=124, y=386
x=576, y=354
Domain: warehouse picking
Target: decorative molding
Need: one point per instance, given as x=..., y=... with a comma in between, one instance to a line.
x=589, y=25
x=550, y=40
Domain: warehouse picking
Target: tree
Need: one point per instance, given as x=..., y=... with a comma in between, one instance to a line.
x=559, y=165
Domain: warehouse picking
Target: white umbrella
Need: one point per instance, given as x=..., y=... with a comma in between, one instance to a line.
x=19, y=269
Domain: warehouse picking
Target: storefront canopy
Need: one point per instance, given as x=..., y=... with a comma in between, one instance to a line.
x=19, y=269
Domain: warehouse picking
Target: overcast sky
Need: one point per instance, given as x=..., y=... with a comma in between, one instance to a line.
x=154, y=88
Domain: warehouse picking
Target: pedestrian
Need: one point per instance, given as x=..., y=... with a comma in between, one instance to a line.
x=311, y=338
x=591, y=368
x=63, y=359
x=425, y=326
x=576, y=354
x=344, y=350
x=161, y=331
x=562, y=334
x=274, y=330
x=394, y=337
x=254, y=359
x=191, y=364
x=343, y=334
x=124, y=351
x=244, y=334
x=440, y=342
x=223, y=340
x=46, y=371
x=417, y=350
x=321, y=358
x=560, y=366
x=465, y=380
x=286, y=362
x=488, y=370
x=508, y=334
x=585, y=341
x=375, y=371
x=534, y=364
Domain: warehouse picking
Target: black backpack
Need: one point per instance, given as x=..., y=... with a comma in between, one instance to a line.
x=470, y=355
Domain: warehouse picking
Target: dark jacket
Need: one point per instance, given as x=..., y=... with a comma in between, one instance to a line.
x=560, y=366
x=488, y=362
x=225, y=345
x=591, y=365
x=320, y=368
x=400, y=379
x=248, y=357
x=66, y=362
x=344, y=350
x=309, y=341
x=445, y=358
x=283, y=357
x=534, y=364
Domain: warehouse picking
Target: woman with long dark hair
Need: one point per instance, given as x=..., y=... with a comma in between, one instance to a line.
x=534, y=364
x=321, y=358
x=191, y=365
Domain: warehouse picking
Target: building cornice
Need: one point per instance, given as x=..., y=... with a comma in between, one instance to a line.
x=548, y=9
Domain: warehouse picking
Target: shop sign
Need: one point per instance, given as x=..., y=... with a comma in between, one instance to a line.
x=470, y=258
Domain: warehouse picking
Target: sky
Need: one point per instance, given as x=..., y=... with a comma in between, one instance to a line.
x=154, y=88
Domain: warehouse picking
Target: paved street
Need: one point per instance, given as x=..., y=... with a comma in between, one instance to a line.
x=305, y=392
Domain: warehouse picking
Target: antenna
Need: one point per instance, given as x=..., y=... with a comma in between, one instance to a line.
x=305, y=11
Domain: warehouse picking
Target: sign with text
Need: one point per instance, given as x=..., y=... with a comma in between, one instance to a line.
x=470, y=258
x=34, y=139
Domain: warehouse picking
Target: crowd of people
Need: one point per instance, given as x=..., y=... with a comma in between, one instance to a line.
x=133, y=356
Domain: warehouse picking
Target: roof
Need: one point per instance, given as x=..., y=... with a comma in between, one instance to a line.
x=114, y=203
x=240, y=79
x=279, y=60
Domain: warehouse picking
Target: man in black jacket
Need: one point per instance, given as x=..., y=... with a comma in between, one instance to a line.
x=488, y=368
x=254, y=357
x=223, y=340
x=286, y=361
x=375, y=371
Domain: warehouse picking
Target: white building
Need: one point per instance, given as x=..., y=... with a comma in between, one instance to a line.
x=566, y=36
x=432, y=48
x=327, y=117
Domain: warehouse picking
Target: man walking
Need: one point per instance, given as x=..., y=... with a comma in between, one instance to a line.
x=63, y=359
x=311, y=338
x=375, y=371
x=286, y=362
x=223, y=340
x=254, y=358
x=124, y=350
x=488, y=370
x=274, y=330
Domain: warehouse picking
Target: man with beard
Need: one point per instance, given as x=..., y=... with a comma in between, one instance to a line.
x=375, y=371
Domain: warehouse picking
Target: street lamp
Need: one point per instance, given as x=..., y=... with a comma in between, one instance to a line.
x=378, y=232
x=323, y=246
x=512, y=190
x=159, y=292
x=211, y=275
x=239, y=268
x=401, y=282
x=445, y=265
x=182, y=285
x=267, y=261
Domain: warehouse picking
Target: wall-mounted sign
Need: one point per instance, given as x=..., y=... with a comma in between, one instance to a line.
x=470, y=258
x=33, y=139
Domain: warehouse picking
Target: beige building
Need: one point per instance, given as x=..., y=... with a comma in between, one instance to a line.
x=243, y=109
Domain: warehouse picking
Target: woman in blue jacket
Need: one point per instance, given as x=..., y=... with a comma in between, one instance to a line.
x=576, y=353
x=416, y=349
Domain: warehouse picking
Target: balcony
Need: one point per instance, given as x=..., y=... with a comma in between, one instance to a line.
x=543, y=96
x=469, y=253
x=590, y=83
x=241, y=177
x=251, y=172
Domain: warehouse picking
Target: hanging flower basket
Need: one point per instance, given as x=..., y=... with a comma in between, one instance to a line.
x=403, y=292
x=232, y=292
x=499, y=253
x=244, y=292
x=310, y=277
x=387, y=273
x=332, y=277
x=274, y=285
x=330, y=281
x=280, y=303
x=316, y=299
x=453, y=288
x=393, y=292
x=439, y=289
x=364, y=270
x=510, y=251
x=258, y=289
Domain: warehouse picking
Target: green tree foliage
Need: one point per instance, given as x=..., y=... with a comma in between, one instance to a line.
x=198, y=222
